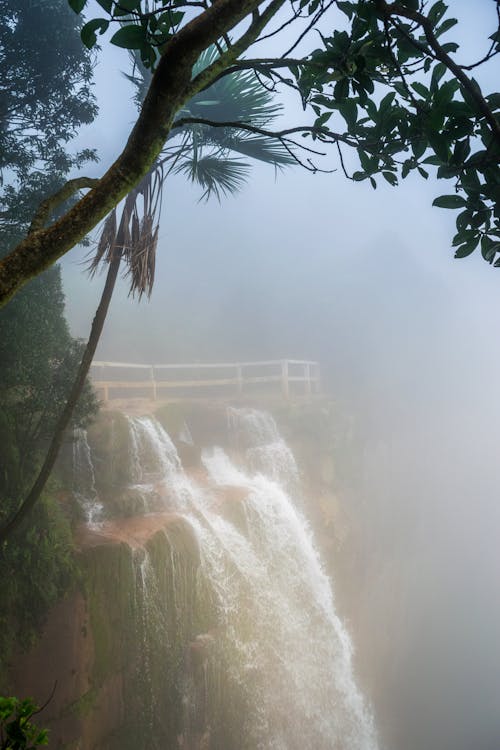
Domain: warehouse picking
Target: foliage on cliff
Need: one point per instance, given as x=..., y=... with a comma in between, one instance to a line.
x=17, y=731
x=37, y=568
x=38, y=357
x=44, y=98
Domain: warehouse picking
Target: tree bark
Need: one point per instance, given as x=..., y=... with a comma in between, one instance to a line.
x=95, y=334
x=170, y=88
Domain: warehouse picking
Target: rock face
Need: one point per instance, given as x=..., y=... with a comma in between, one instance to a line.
x=114, y=660
x=130, y=659
x=133, y=656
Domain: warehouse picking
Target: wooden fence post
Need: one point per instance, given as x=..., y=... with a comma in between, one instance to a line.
x=284, y=379
x=307, y=376
x=153, y=382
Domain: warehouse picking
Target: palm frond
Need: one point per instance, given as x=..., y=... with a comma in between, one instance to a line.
x=106, y=244
x=137, y=236
x=239, y=97
x=140, y=77
x=255, y=146
x=217, y=175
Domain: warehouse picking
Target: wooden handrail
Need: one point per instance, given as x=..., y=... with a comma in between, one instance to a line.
x=310, y=376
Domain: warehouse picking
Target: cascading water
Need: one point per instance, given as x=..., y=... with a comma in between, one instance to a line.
x=84, y=488
x=256, y=434
x=283, y=649
x=155, y=467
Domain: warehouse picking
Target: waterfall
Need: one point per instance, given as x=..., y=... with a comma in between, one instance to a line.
x=286, y=656
x=155, y=468
x=84, y=488
x=256, y=434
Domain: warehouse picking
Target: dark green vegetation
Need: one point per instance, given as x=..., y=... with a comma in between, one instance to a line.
x=38, y=358
x=44, y=87
x=37, y=568
x=17, y=732
x=44, y=98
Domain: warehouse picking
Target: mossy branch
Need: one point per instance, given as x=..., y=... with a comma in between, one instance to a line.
x=170, y=88
x=48, y=206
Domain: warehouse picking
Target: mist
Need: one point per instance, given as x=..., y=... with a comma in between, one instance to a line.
x=315, y=267
x=310, y=267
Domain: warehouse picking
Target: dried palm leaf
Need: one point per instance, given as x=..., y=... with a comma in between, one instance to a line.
x=106, y=243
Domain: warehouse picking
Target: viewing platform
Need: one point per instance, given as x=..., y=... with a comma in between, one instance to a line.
x=286, y=378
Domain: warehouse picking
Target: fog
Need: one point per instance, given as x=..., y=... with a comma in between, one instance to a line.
x=363, y=281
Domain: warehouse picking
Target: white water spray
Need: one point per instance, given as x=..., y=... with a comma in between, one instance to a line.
x=84, y=488
x=285, y=648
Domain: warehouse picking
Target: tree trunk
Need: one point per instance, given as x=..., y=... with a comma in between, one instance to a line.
x=74, y=394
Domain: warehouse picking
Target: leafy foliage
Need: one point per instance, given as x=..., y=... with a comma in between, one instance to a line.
x=201, y=150
x=385, y=82
x=206, y=152
x=17, y=732
x=45, y=87
x=147, y=27
x=408, y=107
x=44, y=102
x=38, y=359
x=37, y=567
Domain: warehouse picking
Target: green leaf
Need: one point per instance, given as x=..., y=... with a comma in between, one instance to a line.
x=322, y=119
x=449, y=201
x=341, y=90
x=463, y=220
x=436, y=12
x=489, y=248
x=437, y=74
x=494, y=100
x=130, y=37
x=391, y=178
x=467, y=248
x=449, y=47
x=88, y=31
x=440, y=146
x=446, y=26
x=77, y=5
x=386, y=102
x=421, y=89
x=349, y=111
x=346, y=7
x=419, y=147
x=369, y=163
x=464, y=236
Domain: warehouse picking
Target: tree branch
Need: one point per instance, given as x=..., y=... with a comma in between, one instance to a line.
x=210, y=74
x=396, y=9
x=47, y=206
x=170, y=88
x=322, y=133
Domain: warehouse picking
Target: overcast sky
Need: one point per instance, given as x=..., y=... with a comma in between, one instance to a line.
x=297, y=229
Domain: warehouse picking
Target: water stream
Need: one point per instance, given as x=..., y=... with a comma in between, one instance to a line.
x=84, y=488
x=285, y=650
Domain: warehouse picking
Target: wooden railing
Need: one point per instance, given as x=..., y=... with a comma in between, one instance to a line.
x=291, y=377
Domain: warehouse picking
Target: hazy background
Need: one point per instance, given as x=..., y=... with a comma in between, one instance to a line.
x=317, y=267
